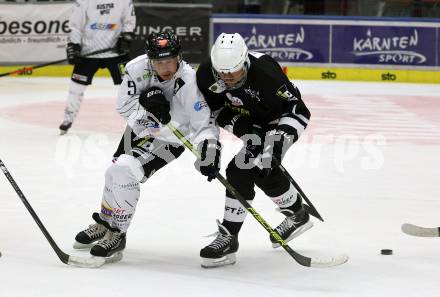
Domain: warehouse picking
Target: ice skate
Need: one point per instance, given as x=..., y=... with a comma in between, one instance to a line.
x=88, y=237
x=293, y=225
x=221, y=251
x=110, y=247
x=64, y=127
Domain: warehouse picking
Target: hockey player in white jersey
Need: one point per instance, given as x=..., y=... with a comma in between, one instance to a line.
x=157, y=88
x=96, y=25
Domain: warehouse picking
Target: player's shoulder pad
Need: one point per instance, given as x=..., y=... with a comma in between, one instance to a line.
x=204, y=75
x=267, y=68
x=186, y=80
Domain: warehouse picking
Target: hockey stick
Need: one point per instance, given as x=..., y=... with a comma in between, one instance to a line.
x=91, y=262
x=311, y=208
x=31, y=68
x=419, y=231
x=300, y=259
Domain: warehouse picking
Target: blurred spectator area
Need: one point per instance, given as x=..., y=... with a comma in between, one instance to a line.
x=387, y=8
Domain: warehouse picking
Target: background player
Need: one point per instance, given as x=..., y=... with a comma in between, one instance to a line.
x=96, y=25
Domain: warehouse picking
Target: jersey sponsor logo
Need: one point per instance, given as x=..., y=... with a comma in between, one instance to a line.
x=285, y=94
x=178, y=84
x=104, y=8
x=218, y=87
x=199, y=105
x=154, y=92
x=145, y=76
x=103, y=26
x=148, y=124
x=253, y=93
x=240, y=110
x=234, y=100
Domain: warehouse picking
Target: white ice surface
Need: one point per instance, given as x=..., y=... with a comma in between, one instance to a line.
x=364, y=184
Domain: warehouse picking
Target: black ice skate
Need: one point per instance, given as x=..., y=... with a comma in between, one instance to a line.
x=293, y=225
x=87, y=238
x=111, y=246
x=221, y=251
x=64, y=127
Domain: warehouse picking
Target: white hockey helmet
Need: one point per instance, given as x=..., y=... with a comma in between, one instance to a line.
x=229, y=53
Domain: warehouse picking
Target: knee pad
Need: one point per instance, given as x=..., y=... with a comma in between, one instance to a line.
x=77, y=89
x=273, y=185
x=126, y=166
x=241, y=179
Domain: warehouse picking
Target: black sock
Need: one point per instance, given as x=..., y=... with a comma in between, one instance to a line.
x=232, y=227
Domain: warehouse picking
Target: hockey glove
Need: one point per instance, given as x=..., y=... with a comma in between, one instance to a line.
x=276, y=144
x=209, y=162
x=73, y=52
x=155, y=103
x=124, y=42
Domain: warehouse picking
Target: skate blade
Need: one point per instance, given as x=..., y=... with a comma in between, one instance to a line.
x=81, y=246
x=213, y=263
x=295, y=234
x=62, y=132
x=116, y=257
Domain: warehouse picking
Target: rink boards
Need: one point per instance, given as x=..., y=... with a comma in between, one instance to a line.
x=294, y=73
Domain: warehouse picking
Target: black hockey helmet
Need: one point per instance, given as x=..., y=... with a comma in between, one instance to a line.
x=163, y=45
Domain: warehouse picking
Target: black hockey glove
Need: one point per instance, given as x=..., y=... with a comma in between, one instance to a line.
x=209, y=162
x=154, y=102
x=73, y=52
x=276, y=144
x=124, y=42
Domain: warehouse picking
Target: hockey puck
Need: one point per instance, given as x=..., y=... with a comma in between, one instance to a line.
x=386, y=252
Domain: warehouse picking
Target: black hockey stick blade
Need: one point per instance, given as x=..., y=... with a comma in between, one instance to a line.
x=31, y=68
x=86, y=262
x=419, y=231
x=311, y=211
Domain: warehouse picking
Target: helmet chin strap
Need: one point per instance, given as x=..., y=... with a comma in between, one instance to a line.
x=221, y=86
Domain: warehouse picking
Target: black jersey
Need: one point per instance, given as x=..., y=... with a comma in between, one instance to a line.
x=266, y=96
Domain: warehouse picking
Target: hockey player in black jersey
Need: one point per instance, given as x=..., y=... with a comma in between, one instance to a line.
x=251, y=97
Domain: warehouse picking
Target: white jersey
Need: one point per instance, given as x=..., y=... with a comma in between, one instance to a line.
x=188, y=108
x=97, y=24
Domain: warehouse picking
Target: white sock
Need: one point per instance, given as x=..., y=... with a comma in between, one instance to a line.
x=74, y=98
x=286, y=199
